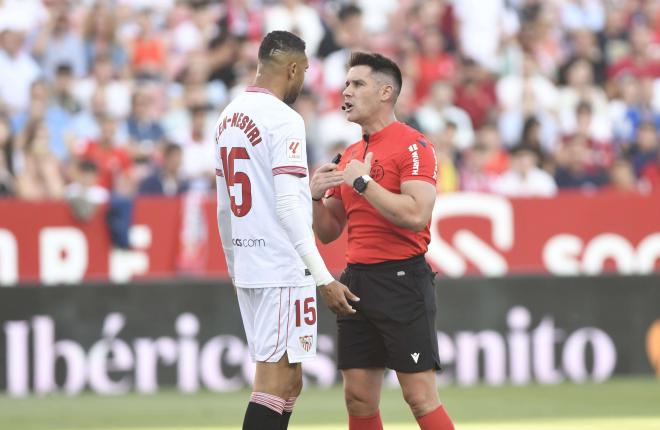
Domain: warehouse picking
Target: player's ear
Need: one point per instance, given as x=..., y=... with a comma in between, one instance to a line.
x=292, y=70
x=386, y=92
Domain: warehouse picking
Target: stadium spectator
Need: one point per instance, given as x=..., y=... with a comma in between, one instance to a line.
x=57, y=44
x=432, y=63
x=584, y=48
x=527, y=92
x=532, y=138
x=148, y=51
x=646, y=148
x=144, y=132
x=83, y=194
x=439, y=109
x=474, y=173
x=476, y=18
x=497, y=158
x=104, y=78
x=113, y=161
x=445, y=152
x=601, y=148
x=640, y=61
x=349, y=35
x=18, y=70
x=197, y=73
x=589, y=14
x=38, y=174
x=651, y=174
x=6, y=157
x=85, y=124
x=223, y=54
x=244, y=19
x=524, y=178
x=197, y=166
x=580, y=89
x=576, y=169
x=166, y=180
x=296, y=15
x=475, y=93
x=622, y=179
x=406, y=110
x=100, y=37
x=45, y=107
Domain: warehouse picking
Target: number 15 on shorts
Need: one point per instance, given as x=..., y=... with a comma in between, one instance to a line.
x=305, y=311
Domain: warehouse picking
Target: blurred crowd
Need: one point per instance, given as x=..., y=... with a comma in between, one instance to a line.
x=519, y=97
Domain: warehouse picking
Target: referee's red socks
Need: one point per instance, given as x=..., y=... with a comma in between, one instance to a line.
x=365, y=423
x=436, y=420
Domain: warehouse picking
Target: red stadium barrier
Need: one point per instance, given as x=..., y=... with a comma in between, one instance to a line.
x=474, y=234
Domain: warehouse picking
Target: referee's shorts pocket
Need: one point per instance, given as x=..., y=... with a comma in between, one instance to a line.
x=395, y=295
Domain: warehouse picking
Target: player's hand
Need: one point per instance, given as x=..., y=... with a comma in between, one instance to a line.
x=325, y=177
x=336, y=296
x=356, y=168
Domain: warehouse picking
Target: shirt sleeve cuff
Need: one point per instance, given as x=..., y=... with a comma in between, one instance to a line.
x=299, y=171
x=419, y=178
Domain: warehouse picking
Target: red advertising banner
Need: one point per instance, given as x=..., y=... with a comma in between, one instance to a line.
x=472, y=234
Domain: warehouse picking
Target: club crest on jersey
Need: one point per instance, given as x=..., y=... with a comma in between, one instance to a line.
x=377, y=172
x=294, y=149
x=306, y=342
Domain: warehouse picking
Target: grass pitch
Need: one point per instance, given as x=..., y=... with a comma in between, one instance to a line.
x=622, y=404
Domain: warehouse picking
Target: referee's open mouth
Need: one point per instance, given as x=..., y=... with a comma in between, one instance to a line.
x=347, y=107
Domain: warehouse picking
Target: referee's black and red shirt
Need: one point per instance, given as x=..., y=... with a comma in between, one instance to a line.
x=400, y=153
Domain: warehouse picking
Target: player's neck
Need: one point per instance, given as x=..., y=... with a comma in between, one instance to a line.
x=271, y=85
x=378, y=123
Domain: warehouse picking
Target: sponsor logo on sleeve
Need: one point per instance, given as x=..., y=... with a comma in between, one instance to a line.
x=294, y=149
x=415, y=158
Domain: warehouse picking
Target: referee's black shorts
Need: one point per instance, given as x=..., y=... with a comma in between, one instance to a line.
x=394, y=325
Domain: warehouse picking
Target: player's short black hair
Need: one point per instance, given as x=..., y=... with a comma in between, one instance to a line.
x=378, y=63
x=280, y=41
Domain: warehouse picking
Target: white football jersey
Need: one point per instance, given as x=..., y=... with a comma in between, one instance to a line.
x=259, y=136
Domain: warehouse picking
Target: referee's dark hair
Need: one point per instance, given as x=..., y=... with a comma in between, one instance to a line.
x=280, y=42
x=379, y=64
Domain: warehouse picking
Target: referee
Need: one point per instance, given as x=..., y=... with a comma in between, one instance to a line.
x=386, y=200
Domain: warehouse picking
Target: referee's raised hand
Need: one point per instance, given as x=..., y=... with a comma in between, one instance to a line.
x=336, y=296
x=324, y=178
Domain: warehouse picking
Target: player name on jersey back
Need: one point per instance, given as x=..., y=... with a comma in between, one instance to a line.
x=243, y=122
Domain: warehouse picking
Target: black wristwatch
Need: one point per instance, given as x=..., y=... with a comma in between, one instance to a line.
x=360, y=183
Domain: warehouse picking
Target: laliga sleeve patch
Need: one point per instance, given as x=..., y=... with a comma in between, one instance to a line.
x=294, y=149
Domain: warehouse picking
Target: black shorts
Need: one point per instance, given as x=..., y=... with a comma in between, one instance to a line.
x=394, y=325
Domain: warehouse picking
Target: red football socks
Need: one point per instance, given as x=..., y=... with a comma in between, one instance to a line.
x=365, y=423
x=436, y=420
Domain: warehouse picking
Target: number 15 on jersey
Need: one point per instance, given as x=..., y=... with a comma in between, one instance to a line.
x=235, y=178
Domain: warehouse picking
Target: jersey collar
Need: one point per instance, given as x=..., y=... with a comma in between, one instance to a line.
x=253, y=89
x=382, y=133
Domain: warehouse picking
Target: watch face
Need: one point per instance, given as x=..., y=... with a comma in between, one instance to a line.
x=359, y=184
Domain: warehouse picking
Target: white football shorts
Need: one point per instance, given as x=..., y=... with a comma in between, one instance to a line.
x=279, y=320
